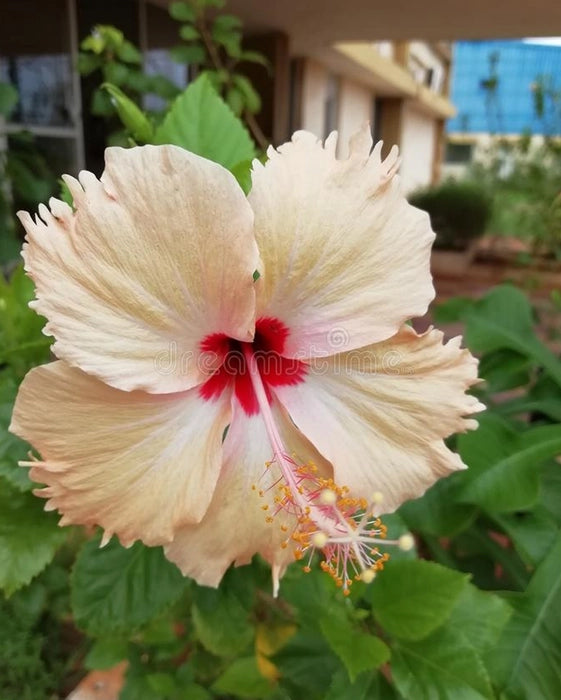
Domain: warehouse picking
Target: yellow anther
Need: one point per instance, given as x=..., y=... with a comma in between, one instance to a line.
x=368, y=576
x=269, y=519
x=377, y=498
x=328, y=497
x=265, y=507
x=406, y=542
x=319, y=540
x=306, y=569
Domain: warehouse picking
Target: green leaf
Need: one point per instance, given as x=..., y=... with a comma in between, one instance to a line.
x=118, y=589
x=503, y=320
x=533, y=533
x=243, y=679
x=195, y=53
x=115, y=73
x=308, y=662
x=505, y=369
x=242, y=173
x=452, y=310
x=132, y=116
x=95, y=43
x=8, y=98
x=29, y=537
x=88, y=62
x=497, y=454
x=232, y=44
x=441, y=666
x=367, y=686
x=101, y=105
x=358, y=650
x=189, y=33
x=250, y=96
x=182, y=12
x=235, y=100
x=161, y=683
x=201, y=122
x=106, y=653
x=128, y=53
x=113, y=37
x=138, y=686
x=228, y=35
x=222, y=620
x=437, y=512
x=527, y=657
x=550, y=407
x=481, y=616
x=227, y=22
x=413, y=597
x=255, y=57
x=12, y=449
x=161, y=86
x=551, y=490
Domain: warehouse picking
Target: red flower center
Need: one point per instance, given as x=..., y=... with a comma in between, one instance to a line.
x=267, y=348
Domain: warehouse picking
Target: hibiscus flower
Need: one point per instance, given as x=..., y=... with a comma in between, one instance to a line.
x=234, y=375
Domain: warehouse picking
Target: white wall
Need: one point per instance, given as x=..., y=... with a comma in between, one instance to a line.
x=417, y=148
x=314, y=94
x=418, y=138
x=355, y=108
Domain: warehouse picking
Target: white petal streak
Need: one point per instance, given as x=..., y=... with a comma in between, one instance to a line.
x=346, y=258
x=138, y=464
x=380, y=414
x=235, y=528
x=159, y=254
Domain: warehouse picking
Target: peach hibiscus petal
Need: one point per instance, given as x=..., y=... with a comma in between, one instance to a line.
x=346, y=258
x=379, y=414
x=236, y=526
x=159, y=254
x=138, y=464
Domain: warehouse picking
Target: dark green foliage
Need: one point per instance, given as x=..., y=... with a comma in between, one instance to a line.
x=214, y=43
x=37, y=648
x=25, y=180
x=523, y=179
x=122, y=83
x=459, y=212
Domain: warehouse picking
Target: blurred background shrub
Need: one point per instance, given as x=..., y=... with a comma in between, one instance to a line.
x=460, y=212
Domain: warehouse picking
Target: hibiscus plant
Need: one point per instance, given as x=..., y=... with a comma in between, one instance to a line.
x=258, y=464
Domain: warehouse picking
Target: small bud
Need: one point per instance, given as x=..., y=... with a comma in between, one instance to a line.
x=328, y=497
x=319, y=540
x=368, y=576
x=406, y=542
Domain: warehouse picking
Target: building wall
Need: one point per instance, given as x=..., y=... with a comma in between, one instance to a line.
x=401, y=122
x=356, y=104
x=418, y=144
x=314, y=95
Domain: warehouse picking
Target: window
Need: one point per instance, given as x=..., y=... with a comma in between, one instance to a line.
x=459, y=153
x=38, y=61
x=331, y=106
